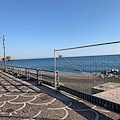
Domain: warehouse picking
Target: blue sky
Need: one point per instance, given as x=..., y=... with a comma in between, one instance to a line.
x=33, y=28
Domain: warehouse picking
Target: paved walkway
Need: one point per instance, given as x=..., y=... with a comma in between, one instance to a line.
x=22, y=100
x=106, y=95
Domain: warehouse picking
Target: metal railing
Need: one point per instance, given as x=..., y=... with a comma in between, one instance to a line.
x=42, y=76
x=89, y=72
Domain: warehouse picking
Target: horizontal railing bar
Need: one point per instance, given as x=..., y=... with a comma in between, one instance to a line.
x=14, y=66
x=88, y=46
x=32, y=68
x=42, y=70
x=28, y=68
x=48, y=70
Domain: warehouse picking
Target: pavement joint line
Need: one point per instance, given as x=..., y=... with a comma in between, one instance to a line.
x=13, y=85
x=3, y=86
x=43, y=103
x=24, y=104
x=36, y=115
x=3, y=104
x=65, y=115
x=61, y=107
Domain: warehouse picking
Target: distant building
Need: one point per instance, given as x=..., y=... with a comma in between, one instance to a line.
x=1, y=58
x=8, y=58
x=60, y=56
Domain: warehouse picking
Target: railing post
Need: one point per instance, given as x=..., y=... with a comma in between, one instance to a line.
x=27, y=74
x=39, y=76
x=57, y=79
x=55, y=82
x=10, y=70
x=2, y=68
x=5, y=69
x=13, y=70
x=19, y=69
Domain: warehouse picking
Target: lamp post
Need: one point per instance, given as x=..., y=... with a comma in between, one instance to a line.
x=4, y=50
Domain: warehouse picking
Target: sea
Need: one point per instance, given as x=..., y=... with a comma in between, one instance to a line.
x=88, y=64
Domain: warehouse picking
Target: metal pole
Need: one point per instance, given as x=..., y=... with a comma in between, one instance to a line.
x=88, y=46
x=55, y=70
x=39, y=76
x=27, y=74
x=4, y=52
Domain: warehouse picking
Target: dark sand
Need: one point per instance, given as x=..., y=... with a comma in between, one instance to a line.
x=80, y=82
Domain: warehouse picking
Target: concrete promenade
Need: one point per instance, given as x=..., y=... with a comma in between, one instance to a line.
x=21, y=100
x=112, y=87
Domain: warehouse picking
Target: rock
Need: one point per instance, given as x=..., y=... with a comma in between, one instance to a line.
x=116, y=76
x=102, y=76
x=104, y=72
x=116, y=70
x=96, y=74
x=112, y=70
x=110, y=75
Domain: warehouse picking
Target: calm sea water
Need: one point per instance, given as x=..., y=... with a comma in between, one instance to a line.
x=88, y=64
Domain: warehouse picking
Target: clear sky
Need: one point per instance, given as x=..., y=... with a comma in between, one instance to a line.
x=33, y=28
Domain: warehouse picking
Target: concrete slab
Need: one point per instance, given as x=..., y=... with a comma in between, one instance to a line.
x=108, y=96
x=108, y=86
